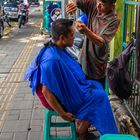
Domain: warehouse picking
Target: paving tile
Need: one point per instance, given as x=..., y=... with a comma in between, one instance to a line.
x=19, y=95
x=18, y=99
x=38, y=114
x=4, y=66
x=28, y=97
x=1, y=113
x=21, y=105
x=6, y=136
x=23, y=90
x=13, y=112
x=13, y=117
x=37, y=122
x=25, y=115
x=35, y=136
x=16, y=126
x=36, y=128
x=3, y=71
x=20, y=136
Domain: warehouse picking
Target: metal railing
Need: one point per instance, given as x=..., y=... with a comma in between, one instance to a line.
x=130, y=24
x=134, y=100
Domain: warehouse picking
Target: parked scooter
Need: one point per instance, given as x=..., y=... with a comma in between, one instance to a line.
x=22, y=17
x=1, y=26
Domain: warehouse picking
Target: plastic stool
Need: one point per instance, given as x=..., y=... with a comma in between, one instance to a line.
x=118, y=137
x=48, y=124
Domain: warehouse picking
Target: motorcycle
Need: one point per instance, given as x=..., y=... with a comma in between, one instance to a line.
x=1, y=26
x=22, y=17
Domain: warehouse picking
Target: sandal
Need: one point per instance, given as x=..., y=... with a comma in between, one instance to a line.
x=93, y=133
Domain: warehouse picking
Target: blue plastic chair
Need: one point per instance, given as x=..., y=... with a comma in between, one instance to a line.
x=48, y=124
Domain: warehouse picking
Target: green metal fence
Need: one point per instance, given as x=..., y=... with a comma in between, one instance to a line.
x=130, y=24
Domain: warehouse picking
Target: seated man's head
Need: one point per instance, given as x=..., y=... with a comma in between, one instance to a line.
x=63, y=32
x=105, y=6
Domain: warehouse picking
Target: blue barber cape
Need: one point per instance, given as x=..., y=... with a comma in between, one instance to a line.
x=63, y=76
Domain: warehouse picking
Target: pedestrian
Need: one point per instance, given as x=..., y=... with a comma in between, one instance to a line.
x=1, y=10
x=101, y=28
x=1, y=19
x=61, y=85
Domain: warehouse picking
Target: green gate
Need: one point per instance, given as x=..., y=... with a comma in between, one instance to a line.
x=131, y=25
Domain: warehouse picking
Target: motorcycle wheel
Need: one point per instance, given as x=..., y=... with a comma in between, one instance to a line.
x=1, y=32
x=26, y=19
x=23, y=21
x=20, y=21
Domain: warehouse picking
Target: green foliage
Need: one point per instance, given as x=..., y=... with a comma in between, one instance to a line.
x=117, y=44
x=118, y=37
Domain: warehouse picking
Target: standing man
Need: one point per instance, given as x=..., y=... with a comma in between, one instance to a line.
x=101, y=28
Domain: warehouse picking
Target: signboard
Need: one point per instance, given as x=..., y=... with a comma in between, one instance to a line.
x=52, y=10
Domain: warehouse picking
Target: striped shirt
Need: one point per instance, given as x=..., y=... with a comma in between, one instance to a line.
x=92, y=57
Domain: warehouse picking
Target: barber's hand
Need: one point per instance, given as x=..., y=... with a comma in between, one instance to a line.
x=81, y=27
x=68, y=116
x=70, y=8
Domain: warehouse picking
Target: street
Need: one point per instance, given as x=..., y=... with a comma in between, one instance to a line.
x=21, y=114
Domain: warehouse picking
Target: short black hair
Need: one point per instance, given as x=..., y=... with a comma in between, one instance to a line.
x=108, y=1
x=60, y=27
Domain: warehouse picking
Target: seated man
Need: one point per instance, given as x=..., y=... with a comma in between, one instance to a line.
x=59, y=81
